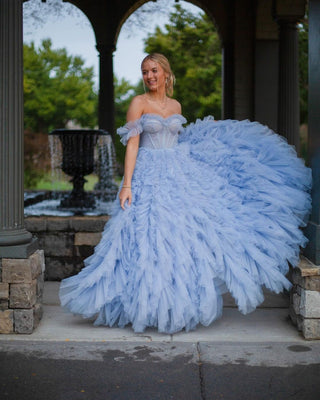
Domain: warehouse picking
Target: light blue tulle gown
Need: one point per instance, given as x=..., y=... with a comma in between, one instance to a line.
x=216, y=207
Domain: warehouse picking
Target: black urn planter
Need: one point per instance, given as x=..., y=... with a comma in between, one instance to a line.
x=78, y=147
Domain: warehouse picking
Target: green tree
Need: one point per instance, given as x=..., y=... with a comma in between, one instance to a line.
x=57, y=88
x=193, y=48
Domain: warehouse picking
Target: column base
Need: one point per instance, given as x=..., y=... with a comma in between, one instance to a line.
x=19, y=251
x=21, y=291
x=305, y=299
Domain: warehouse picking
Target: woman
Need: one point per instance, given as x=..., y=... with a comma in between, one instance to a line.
x=214, y=209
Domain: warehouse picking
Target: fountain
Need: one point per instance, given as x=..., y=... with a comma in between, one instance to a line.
x=78, y=161
x=77, y=153
x=69, y=224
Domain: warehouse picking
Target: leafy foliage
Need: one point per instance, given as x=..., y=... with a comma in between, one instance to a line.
x=57, y=89
x=192, y=45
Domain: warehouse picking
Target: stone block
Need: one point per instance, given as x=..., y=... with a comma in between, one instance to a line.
x=23, y=321
x=37, y=314
x=310, y=304
x=87, y=238
x=300, y=323
x=58, y=244
x=37, y=263
x=16, y=270
x=296, y=300
x=4, y=290
x=311, y=328
x=4, y=305
x=23, y=295
x=36, y=224
x=296, y=277
x=58, y=224
x=306, y=268
x=293, y=315
x=0, y=269
x=6, y=321
x=59, y=268
x=40, y=286
x=89, y=224
x=311, y=283
x=84, y=251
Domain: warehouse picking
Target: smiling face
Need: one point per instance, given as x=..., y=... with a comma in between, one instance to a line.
x=153, y=75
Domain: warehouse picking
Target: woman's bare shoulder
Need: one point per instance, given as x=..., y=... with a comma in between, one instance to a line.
x=136, y=108
x=175, y=106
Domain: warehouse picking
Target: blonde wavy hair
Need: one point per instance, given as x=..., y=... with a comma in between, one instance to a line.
x=164, y=63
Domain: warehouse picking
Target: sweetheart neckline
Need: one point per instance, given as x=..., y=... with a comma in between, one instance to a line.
x=164, y=118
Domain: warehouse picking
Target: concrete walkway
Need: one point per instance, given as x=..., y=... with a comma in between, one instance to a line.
x=260, y=356
x=270, y=324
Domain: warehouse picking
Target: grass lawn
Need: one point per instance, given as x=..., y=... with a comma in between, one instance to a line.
x=46, y=183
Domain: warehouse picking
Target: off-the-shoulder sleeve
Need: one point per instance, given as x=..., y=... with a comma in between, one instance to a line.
x=130, y=129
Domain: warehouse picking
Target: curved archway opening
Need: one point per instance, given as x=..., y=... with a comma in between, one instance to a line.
x=189, y=38
x=60, y=81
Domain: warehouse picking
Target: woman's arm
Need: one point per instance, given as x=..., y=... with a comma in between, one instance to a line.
x=134, y=112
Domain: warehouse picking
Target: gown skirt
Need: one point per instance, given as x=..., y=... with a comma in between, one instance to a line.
x=219, y=211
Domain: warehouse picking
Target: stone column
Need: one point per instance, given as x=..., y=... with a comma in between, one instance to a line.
x=244, y=40
x=288, y=103
x=106, y=88
x=313, y=229
x=228, y=81
x=288, y=13
x=15, y=241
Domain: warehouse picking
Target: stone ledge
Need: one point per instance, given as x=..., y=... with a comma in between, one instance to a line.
x=89, y=224
x=307, y=268
x=66, y=224
x=87, y=238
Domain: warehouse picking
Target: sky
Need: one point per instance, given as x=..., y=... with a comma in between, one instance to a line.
x=76, y=35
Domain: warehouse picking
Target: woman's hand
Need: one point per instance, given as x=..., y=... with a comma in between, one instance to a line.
x=125, y=195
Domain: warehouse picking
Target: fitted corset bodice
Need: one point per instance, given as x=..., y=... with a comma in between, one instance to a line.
x=159, y=132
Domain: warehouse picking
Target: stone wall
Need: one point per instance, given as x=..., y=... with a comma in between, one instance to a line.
x=66, y=241
x=21, y=290
x=305, y=299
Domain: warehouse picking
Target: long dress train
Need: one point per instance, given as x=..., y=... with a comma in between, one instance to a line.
x=215, y=208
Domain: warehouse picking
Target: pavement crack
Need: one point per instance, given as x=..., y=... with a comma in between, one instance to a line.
x=201, y=374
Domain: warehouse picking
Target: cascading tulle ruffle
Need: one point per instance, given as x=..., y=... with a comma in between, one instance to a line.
x=219, y=211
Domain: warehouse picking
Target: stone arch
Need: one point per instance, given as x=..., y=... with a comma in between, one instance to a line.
x=214, y=14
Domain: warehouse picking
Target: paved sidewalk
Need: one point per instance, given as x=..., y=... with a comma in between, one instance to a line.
x=260, y=356
x=263, y=325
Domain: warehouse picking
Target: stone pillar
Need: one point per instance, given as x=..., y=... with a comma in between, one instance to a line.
x=244, y=39
x=313, y=229
x=106, y=88
x=228, y=81
x=287, y=13
x=288, y=105
x=15, y=241
x=305, y=299
x=21, y=290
